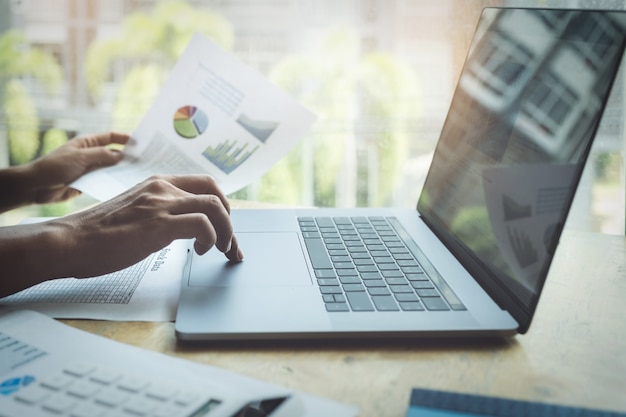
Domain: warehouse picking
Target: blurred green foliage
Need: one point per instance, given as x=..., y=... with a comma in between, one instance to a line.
x=366, y=97
x=365, y=101
x=147, y=47
x=19, y=61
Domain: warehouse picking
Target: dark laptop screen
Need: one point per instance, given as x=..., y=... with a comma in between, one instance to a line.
x=518, y=132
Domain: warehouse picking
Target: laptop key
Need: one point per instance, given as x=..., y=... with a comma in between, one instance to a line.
x=359, y=301
x=412, y=269
x=367, y=268
x=382, y=291
x=411, y=306
x=335, y=246
x=385, y=303
x=398, y=249
x=359, y=219
x=401, y=288
x=333, y=307
x=435, y=304
x=331, y=290
x=429, y=292
x=325, y=222
x=317, y=253
x=375, y=283
x=396, y=281
x=332, y=240
x=392, y=273
x=347, y=272
x=350, y=280
x=353, y=287
x=403, y=296
x=417, y=277
x=344, y=265
x=422, y=285
x=325, y=273
x=388, y=267
x=384, y=260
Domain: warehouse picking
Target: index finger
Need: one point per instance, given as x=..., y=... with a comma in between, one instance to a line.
x=199, y=184
x=104, y=139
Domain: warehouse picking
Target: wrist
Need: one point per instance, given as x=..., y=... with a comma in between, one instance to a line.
x=18, y=187
x=31, y=254
x=58, y=237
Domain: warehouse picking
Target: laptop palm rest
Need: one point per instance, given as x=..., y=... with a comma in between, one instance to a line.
x=271, y=259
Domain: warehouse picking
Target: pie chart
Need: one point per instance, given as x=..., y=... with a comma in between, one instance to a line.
x=190, y=122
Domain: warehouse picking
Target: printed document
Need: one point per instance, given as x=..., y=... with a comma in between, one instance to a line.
x=146, y=291
x=215, y=116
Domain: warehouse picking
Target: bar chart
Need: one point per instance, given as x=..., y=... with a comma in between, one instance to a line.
x=228, y=155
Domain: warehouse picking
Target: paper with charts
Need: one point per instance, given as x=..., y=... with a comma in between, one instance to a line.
x=214, y=115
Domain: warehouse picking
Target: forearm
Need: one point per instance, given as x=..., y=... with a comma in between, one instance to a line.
x=31, y=254
x=16, y=187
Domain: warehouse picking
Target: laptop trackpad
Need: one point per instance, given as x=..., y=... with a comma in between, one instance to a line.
x=271, y=259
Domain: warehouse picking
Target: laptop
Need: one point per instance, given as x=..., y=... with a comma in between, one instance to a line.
x=472, y=258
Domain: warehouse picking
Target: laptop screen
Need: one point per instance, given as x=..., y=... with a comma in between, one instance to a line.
x=512, y=149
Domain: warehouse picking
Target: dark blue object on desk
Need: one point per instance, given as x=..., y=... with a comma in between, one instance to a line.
x=429, y=403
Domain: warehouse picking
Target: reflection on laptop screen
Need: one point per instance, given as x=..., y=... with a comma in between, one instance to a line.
x=518, y=132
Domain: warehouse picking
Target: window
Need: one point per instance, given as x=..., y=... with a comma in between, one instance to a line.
x=379, y=73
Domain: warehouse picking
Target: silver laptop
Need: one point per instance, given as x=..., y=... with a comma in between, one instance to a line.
x=472, y=259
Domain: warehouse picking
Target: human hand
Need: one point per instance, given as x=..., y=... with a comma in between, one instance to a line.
x=124, y=230
x=51, y=175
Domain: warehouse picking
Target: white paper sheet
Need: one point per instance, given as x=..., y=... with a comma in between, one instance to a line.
x=213, y=116
x=146, y=291
x=34, y=347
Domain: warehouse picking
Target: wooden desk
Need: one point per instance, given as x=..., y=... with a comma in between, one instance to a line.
x=574, y=353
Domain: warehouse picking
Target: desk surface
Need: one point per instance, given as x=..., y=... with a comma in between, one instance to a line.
x=573, y=353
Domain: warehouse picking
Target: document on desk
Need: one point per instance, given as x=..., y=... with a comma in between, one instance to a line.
x=146, y=291
x=215, y=116
x=49, y=368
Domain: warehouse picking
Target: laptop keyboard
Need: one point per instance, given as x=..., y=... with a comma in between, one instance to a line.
x=361, y=264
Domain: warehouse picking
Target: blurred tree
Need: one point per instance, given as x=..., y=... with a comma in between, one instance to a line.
x=363, y=101
x=19, y=61
x=148, y=46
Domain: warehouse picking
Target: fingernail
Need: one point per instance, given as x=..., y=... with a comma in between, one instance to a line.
x=200, y=248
